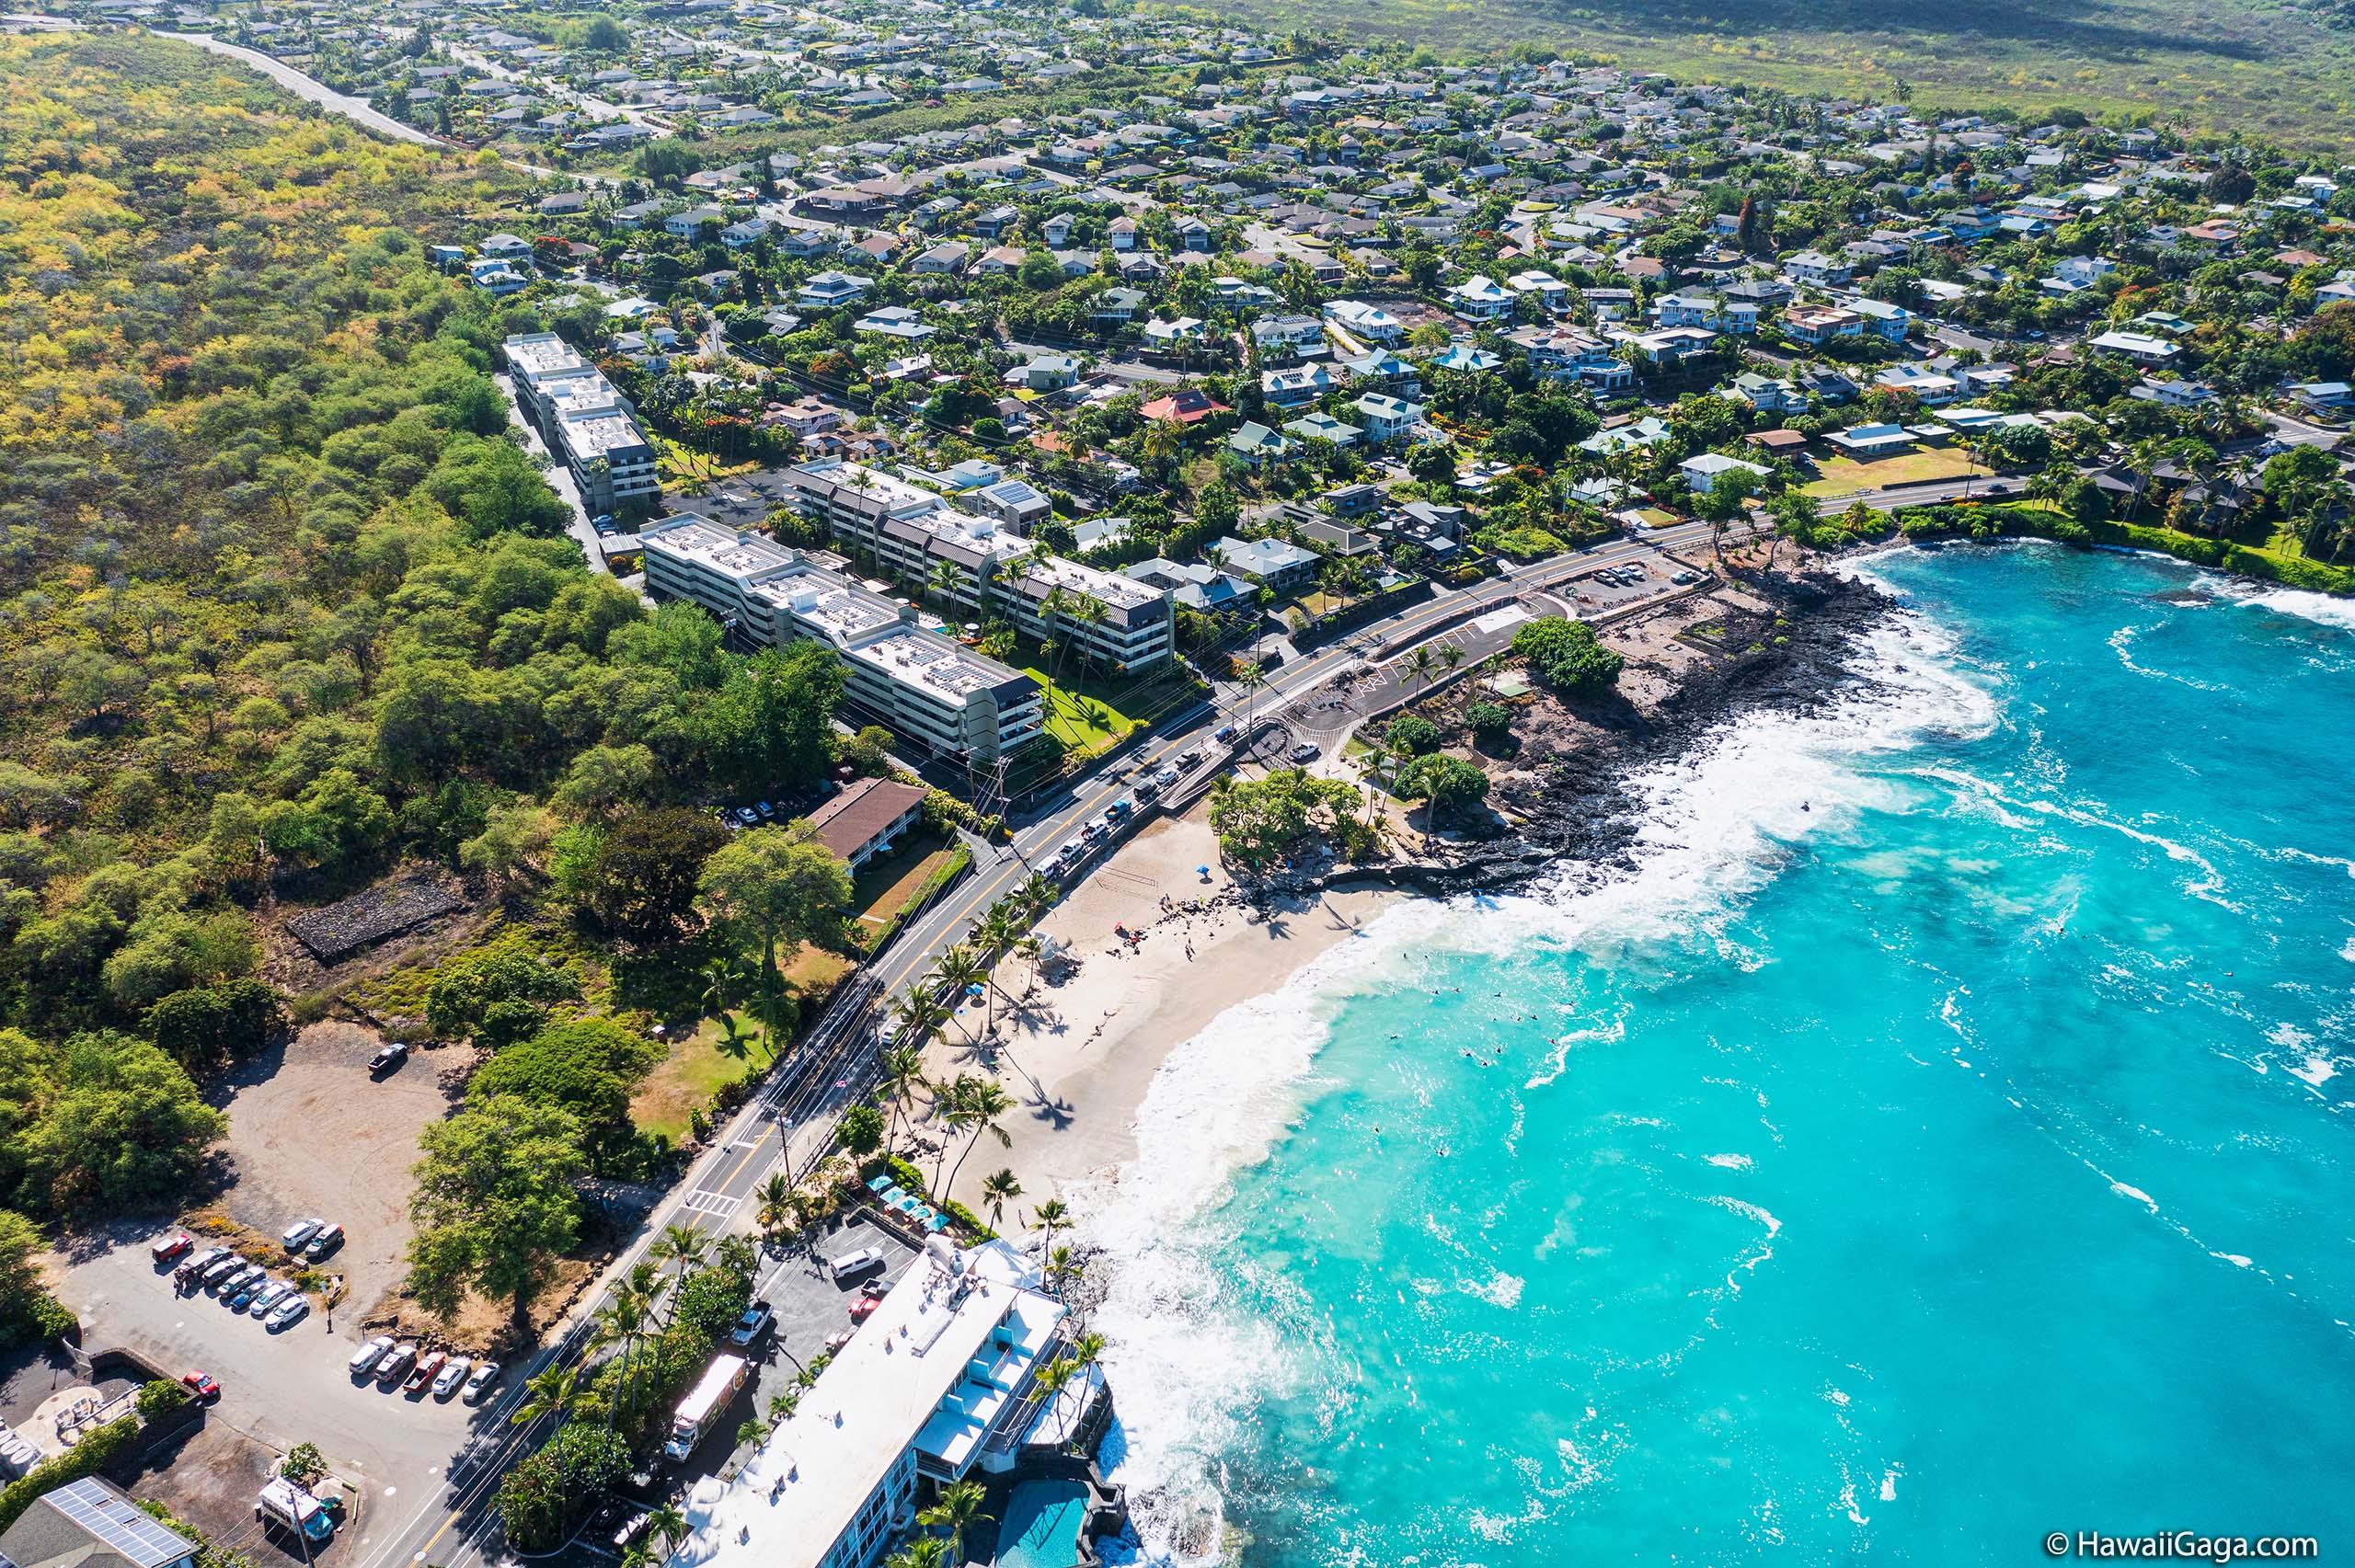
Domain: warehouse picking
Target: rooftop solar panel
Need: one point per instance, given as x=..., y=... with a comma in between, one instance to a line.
x=120, y=1524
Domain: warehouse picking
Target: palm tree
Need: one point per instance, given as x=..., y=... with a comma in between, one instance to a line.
x=960, y=969
x=774, y=1198
x=681, y=1244
x=1038, y=894
x=958, y=1510
x=998, y=1189
x=920, y=1016
x=552, y=1392
x=1420, y=665
x=945, y=580
x=1450, y=656
x=1030, y=950
x=623, y=1320
x=723, y=982
x=902, y=1076
x=983, y=1102
x=1377, y=757
x=925, y=1552
x=1250, y=677
x=666, y=1525
x=1049, y=1215
x=1062, y=1268
x=1087, y=1349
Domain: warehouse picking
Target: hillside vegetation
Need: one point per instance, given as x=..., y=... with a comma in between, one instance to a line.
x=2260, y=66
x=281, y=601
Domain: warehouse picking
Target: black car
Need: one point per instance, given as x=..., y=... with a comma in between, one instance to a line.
x=384, y=1061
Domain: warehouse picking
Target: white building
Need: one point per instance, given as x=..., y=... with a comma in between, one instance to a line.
x=588, y=424
x=936, y=1382
x=911, y=531
x=925, y=688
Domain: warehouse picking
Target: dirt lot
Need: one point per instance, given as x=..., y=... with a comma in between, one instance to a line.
x=210, y=1481
x=310, y=1134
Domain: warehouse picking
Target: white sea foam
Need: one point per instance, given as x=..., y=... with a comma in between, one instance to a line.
x=1732, y=1161
x=2320, y=608
x=1192, y=1364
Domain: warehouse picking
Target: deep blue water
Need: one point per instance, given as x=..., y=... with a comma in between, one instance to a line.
x=1944, y=1139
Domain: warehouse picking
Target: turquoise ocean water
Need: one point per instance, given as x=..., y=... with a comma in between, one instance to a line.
x=1942, y=1140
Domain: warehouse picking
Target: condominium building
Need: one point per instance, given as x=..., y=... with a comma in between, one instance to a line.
x=925, y=687
x=912, y=532
x=940, y=1381
x=588, y=424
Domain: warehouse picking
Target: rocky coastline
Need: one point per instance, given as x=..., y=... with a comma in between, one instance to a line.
x=1564, y=793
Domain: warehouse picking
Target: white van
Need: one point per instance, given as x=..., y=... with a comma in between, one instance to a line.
x=850, y=1265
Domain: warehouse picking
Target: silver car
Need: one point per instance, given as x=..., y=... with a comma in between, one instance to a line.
x=289, y=1311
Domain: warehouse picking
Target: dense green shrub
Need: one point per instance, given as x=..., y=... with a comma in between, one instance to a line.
x=1566, y=655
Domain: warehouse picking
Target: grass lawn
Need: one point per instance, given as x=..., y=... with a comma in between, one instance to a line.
x=708, y=1061
x=883, y=886
x=1080, y=719
x=1656, y=517
x=1841, y=475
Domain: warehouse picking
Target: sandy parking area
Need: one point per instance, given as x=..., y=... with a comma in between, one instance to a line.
x=311, y=1134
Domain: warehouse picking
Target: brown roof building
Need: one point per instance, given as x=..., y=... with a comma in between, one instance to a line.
x=867, y=816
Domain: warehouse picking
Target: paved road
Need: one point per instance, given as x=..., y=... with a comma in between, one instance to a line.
x=311, y=89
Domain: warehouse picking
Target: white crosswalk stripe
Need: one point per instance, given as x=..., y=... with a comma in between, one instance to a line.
x=719, y=1206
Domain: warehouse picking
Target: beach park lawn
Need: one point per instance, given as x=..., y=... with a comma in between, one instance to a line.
x=1841, y=475
x=712, y=1058
x=1080, y=720
x=1658, y=517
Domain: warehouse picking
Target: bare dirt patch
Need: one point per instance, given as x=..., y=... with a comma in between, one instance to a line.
x=209, y=1481
x=310, y=1134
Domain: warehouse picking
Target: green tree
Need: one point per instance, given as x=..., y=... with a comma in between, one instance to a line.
x=116, y=1124
x=205, y=1025
x=1567, y=654
x=585, y=1068
x=643, y=880
x=494, y=1204
x=777, y=887
x=860, y=1132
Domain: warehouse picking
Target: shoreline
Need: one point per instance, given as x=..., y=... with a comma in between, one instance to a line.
x=1078, y=1044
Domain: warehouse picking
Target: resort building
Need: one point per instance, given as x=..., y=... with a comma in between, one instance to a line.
x=912, y=532
x=938, y=1381
x=925, y=688
x=588, y=425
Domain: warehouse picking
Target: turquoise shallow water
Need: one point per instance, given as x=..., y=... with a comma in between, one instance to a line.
x=1942, y=1140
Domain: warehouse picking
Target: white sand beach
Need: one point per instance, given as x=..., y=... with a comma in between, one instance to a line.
x=1078, y=1045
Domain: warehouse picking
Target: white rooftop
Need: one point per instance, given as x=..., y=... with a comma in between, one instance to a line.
x=909, y=1364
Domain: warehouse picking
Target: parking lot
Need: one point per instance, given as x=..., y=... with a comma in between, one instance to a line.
x=310, y=1135
x=809, y=1308
x=281, y=1389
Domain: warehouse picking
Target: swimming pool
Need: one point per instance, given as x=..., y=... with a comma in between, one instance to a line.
x=1041, y=1525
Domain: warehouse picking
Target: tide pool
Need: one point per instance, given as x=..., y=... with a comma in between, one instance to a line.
x=1942, y=1140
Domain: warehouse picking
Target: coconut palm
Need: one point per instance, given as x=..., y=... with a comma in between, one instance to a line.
x=1050, y=1215
x=624, y=1321
x=1062, y=1268
x=1087, y=1349
x=1377, y=759
x=925, y=1552
x=680, y=1244
x=723, y=982
x=1450, y=656
x=553, y=1392
x=1030, y=950
x=1250, y=676
x=998, y=1189
x=984, y=1102
x=944, y=582
x=666, y=1525
x=960, y=969
x=901, y=1075
x=1038, y=894
x=1420, y=665
x=958, y=1510
x=773, y=1204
